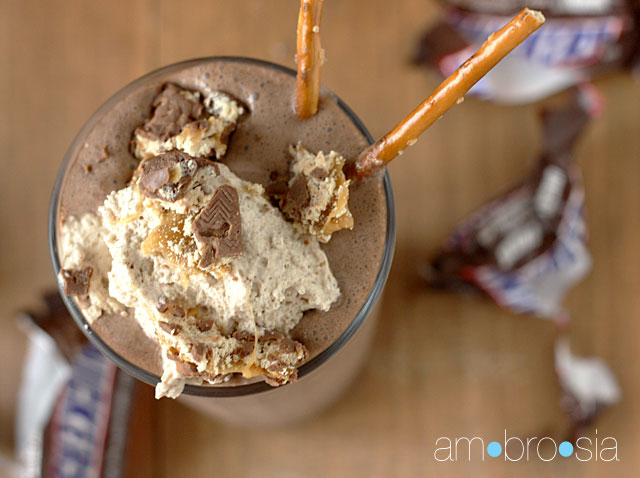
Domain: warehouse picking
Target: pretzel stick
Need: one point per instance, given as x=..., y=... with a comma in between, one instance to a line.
x=310, y=57
x=406, y=133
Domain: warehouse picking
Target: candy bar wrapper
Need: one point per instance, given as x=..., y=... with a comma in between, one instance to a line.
x=74, y=404
x=527, y=247
x=588, y=385
x=579, y=41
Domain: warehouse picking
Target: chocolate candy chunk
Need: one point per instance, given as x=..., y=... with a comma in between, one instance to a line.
x=277, y=189
x=218, y=226
x=173, y=329
x=155, y=175
x=174, y=310
x=76, y=282
x=167, y=175
x=288, y=346
x=243, y=335
x=199, y=351
x=284, y=344
x=208, y=257
x=298, y=193
x=247, y=343
x=270, y=336
x=245, y=349
x=296, y=198
x=276, y=381
x=320, y=173
x=273, y=381
x=204, y=325
x=186, y=369
x=171, y=111
x=277, y=368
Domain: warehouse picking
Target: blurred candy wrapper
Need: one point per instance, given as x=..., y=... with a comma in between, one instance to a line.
x=579, y=41
x=74, y=404
x=527, y=247
x=588, y=386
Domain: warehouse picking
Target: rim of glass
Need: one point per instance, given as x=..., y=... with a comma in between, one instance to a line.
x=212, y=390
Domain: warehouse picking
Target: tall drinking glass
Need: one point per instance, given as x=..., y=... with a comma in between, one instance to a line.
x=252, y=402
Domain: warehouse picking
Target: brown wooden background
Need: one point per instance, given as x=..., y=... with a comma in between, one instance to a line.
x=443, y=365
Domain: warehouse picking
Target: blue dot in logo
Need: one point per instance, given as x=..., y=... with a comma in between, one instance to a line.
x=565, y=449
x=494, y=449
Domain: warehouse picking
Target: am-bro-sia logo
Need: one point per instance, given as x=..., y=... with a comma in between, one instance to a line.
x=518, y=449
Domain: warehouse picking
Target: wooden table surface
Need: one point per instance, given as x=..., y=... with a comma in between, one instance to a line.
x=442, y=365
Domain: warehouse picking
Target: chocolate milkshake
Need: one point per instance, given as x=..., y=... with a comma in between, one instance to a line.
x=256, y=141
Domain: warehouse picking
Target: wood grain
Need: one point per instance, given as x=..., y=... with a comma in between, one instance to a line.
x=442, y=365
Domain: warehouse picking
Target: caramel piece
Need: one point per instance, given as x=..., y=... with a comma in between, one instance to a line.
x=168, y=239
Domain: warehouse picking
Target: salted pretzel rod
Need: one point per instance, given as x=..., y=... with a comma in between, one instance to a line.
x=310, y=57
x=450, y=92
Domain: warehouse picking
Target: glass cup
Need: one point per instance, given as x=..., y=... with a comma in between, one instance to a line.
x=321, y=380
